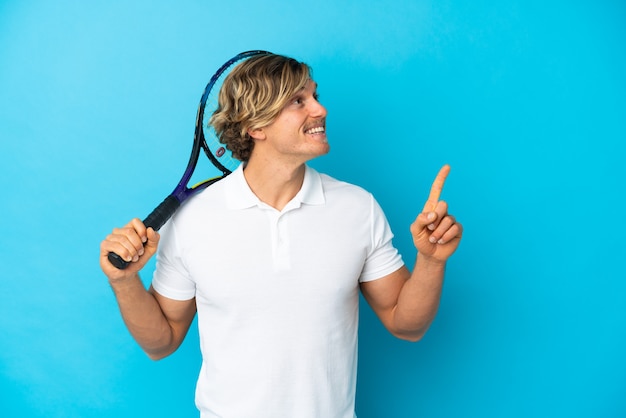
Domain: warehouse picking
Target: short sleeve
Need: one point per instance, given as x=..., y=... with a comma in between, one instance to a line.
x=383, y=258
x=171, y=278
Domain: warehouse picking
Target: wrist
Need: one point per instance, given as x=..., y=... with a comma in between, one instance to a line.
x=430, y=262
x=125, y=283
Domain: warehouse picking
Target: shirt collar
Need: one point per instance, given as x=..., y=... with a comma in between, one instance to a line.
x=240, y=196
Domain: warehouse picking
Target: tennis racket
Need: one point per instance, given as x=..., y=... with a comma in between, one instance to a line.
x=204, y=139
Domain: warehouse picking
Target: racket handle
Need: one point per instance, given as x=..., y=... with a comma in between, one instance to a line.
x=155, y=220
x=162, y=213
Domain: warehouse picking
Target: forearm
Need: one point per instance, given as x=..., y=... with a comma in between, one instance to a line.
x=144, y=318
x=419, y=298
x=407, y=302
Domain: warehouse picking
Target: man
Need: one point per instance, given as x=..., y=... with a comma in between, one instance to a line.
x=273, y=257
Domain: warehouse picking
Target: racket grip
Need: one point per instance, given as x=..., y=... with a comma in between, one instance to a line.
x=162, y=213
x=155, y=220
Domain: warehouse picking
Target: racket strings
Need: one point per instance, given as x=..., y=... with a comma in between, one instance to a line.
x=212, y=144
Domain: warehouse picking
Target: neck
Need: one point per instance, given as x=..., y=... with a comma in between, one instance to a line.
x=273, y=184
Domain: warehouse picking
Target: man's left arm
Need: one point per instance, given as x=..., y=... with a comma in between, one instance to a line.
x=406, y=302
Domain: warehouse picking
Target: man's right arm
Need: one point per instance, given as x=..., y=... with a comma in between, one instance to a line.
x=157, y=323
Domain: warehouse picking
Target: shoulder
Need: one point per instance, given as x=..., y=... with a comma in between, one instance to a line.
x=209, y=197
x=353, y=199
x=334, y=185
x=209, y=200
x=341, y=191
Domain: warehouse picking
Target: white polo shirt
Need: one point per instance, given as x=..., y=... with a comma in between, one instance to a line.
x=277, y=293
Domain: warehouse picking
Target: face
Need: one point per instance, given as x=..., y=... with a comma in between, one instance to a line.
x=298, y=133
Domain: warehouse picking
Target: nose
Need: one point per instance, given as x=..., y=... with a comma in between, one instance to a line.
x=316, y=109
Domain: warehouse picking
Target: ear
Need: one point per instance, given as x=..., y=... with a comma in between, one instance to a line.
x=257, y=134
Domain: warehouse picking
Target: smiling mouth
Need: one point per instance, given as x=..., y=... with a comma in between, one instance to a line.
x=316, y=130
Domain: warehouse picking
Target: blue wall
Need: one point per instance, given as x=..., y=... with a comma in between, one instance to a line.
x=525, y=99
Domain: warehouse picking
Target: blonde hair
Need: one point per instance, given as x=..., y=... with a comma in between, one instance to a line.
x=252, y=97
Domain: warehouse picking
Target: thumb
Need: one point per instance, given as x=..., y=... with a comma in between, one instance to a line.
x=422, y=221
x=152, y=242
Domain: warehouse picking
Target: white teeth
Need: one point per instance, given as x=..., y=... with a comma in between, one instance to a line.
x=318, y=130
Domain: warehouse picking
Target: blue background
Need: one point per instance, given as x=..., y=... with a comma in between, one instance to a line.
x=525, y=99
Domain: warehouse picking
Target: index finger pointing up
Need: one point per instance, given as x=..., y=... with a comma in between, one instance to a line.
x=436, y=188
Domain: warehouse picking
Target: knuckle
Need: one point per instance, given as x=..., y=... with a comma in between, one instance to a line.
x=122, y=230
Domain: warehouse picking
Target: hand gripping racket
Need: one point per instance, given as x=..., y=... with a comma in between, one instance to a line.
x=205, y=139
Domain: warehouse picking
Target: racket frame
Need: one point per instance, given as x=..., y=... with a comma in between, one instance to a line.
x=161, y=214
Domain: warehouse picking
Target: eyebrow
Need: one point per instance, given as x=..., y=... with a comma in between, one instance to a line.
x=297, y=93
x=305, y=87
